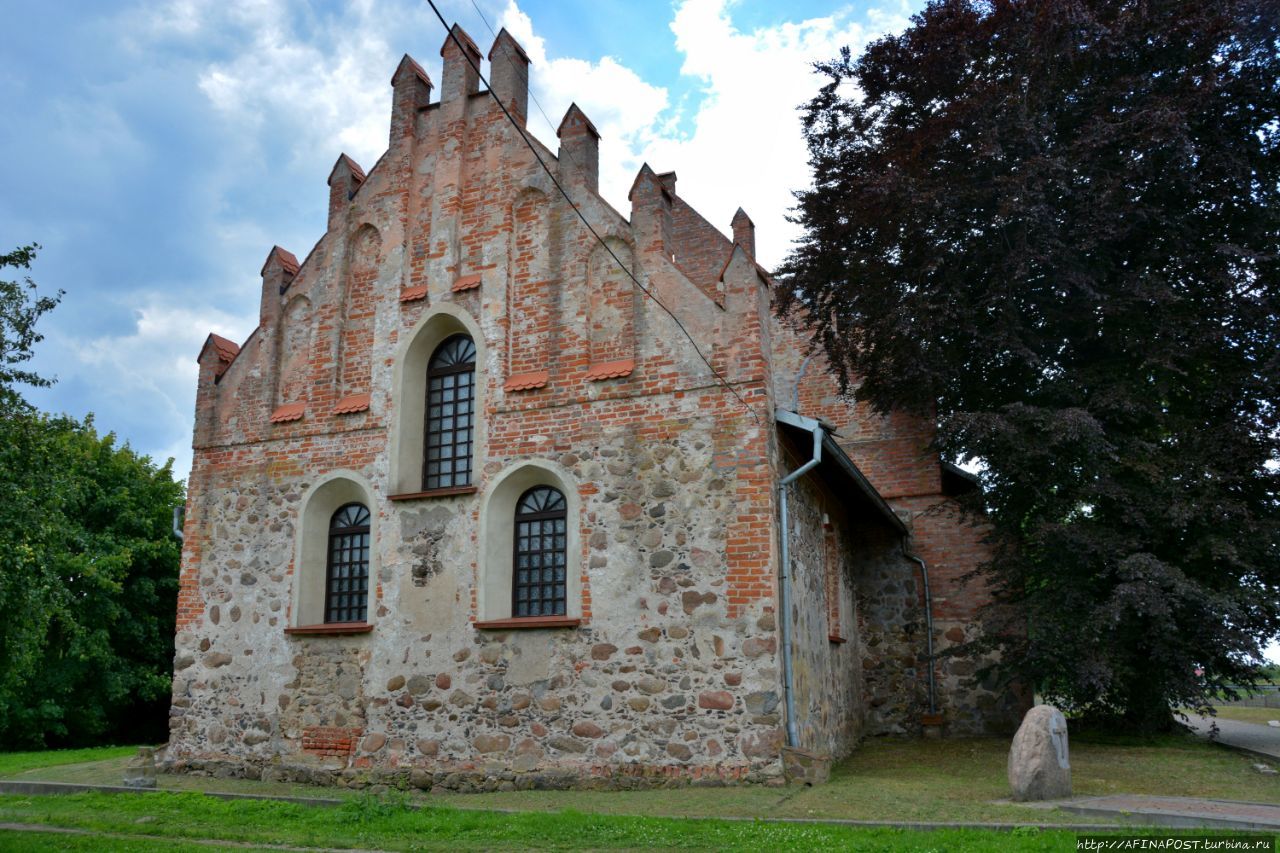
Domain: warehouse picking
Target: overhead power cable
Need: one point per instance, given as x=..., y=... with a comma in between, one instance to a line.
x=600, y=240
x=512, y=63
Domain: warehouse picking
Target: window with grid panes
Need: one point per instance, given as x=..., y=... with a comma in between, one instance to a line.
x=346, y=588
x=538, y=587
x=451, y=383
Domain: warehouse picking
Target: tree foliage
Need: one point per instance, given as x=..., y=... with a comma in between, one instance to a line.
x=1054, y=225
x=88, y=566
x=88, y=586
x=20, y=308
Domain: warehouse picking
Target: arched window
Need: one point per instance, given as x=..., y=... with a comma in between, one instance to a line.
x=451, y=393
x=346, y=588
x=538, y=588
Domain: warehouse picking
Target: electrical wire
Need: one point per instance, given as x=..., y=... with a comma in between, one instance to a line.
x=600, y=240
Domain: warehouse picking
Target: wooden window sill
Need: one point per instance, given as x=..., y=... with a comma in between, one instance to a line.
x=435, y=493
x=331, y=628
x=836, y=639
x=523, y=622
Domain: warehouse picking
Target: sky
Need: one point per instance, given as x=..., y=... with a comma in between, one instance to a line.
x=158, y=150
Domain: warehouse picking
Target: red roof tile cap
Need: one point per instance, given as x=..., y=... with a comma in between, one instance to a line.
x=289, y=412
x=578, y=118
x=409, y=64
x=352, y=166
x=611, y=369
x=467, y=44
x=288, y=260
x=645, y=173
x=467, y=282
x=761, y=271
x=526, y=381
x=410, y=294
x=352, y=404
x=225, y=349
x=503, y=35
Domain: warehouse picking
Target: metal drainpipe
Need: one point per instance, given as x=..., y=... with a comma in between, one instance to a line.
x=788, y=689
x=928, y=625
x=795, y=397
x=177, y=524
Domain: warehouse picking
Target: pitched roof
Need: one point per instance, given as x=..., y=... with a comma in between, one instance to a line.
x=288, y=261
x=463, y=39
x=510, y=40
x=761, y=271
x=227, y=350
x=408, y=63
x=352, y=166
x=576, y=111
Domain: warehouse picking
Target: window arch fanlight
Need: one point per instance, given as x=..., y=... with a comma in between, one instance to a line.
x=450, y=414
x=346, y=594
x=539, y=582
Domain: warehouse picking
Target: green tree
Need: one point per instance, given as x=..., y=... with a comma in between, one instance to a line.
x=1054, y=225
x=20, y=308
x=88, y=585
x=88, y=566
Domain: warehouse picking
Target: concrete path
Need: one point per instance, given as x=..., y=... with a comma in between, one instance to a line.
x=1251, y=737
x=1178, y=811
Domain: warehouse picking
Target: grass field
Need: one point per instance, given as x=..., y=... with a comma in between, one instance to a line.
x=164, y=821
x=900, y=781
x=13, y=763
x=1248, y=715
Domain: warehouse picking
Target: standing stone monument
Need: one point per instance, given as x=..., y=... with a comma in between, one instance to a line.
x=141, y=771
x=1039, y=765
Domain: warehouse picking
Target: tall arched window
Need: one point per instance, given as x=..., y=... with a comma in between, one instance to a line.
x=451, y=393
x=538, y=588
x=346, y=588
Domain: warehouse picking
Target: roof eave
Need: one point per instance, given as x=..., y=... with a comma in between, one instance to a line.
x=833, y=453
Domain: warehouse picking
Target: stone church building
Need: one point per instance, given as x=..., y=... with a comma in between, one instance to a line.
x=470, y=508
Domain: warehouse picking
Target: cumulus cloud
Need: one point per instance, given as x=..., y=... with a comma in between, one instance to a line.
x=276, y=89
x=151, y=370
x=744, y=147
x=326, y=89
x=629, y=112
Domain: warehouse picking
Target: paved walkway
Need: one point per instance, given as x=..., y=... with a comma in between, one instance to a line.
x=1178, y=811
x=1251, y=737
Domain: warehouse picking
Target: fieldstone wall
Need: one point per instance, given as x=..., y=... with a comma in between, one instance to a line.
x=894, y=452
x=669, y=668
x=892, y=625
x=827, y=673
x=661, y=683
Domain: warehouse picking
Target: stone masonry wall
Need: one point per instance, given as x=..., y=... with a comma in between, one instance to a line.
x=672, y=476
x=893, y=453
x=827, y=673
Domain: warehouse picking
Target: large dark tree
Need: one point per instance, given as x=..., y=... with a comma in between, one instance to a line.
x=1054, y=225
x=88, y=566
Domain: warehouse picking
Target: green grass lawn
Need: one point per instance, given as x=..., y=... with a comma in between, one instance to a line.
x=163, y=821
x=885, y=780
x=1248, y=715
x=14, y=763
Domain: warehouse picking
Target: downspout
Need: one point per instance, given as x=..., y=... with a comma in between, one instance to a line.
x=795, y=397
x=177, y=523
x=784, y=604
x=928, y=624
